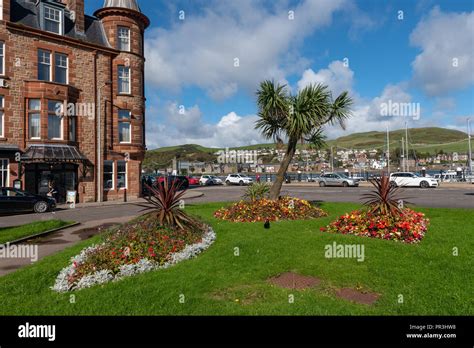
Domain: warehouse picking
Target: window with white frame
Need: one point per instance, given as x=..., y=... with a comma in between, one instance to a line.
x=44, y=65
x=4, y=172
x=123, y=38
x=108, y=175
x=125, y=126
x=60, y=68
x=55, y=120
x=2, y=58
x=124, y=79
x=2, y=116
x=53, y=20
x=34, y=118
x=121, y=174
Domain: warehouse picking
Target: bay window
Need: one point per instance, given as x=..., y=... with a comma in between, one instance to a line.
x=72, y=120
x=34, y=118
x=55, y=120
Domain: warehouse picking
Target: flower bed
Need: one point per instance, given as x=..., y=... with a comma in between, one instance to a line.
x=407, y=227
x=285, y=208
x=133, y=249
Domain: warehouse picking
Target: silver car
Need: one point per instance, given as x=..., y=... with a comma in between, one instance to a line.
x=334, y=179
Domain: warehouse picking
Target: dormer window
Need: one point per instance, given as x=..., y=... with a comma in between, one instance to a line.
x=52, y=19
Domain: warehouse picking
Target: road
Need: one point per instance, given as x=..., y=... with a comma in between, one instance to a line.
x=438, y=198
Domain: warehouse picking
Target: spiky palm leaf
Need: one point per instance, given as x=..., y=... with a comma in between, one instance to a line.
x=384, y=199
x=296, y=117
x=167, y=201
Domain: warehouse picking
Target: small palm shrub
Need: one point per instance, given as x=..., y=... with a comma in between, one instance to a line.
x=167, y=202
x=383, y=217
x=384, y=199
x=257, y=191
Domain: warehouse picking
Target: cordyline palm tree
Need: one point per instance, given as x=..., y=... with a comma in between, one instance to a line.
x=297, y=117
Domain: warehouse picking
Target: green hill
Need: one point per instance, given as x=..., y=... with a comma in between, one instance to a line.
x=424, y=140
x=421, y=139
x=430, y=140
x=163, y=157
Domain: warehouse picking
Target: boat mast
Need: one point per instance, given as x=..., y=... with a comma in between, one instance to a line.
x=403, y=154
x=388, y=151
x=469, y=142
x=408, y=153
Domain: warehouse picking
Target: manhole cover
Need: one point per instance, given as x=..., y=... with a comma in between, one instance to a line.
x=292, y=280
x=357, y=296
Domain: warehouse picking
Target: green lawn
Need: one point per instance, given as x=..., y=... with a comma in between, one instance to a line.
x=10, y=234
x=431, y=280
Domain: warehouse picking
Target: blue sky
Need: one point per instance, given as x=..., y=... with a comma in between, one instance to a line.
x=195, y=93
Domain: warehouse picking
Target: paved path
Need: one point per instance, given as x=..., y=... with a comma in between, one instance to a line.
x=55, y=242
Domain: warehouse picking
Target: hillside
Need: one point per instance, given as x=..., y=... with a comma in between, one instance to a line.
x=163, y=157
x=430, y=140
x=419, y=138
x=426, y=140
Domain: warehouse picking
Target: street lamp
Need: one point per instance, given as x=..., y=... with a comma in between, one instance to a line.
x=469, y=142
x=99, y=141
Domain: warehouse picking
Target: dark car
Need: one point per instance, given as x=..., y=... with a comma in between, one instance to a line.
x=14, y=201
x=181, y=181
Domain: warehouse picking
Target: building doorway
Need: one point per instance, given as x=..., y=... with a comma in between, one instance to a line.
x=41, y=177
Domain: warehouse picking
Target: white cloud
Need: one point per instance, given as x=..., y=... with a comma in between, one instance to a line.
x=176, y=128
x=367, y=113
x=200, y=50
x=446, y=39
x=337, y=77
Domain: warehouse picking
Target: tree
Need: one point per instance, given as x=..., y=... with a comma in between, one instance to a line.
x=297, y=117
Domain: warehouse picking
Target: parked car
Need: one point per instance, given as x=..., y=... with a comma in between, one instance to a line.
x=334, y=179
x=193, y=180
x=14, y=201
x=208, y=180
x=238, y=179
x=406, y=179
x=182, y=181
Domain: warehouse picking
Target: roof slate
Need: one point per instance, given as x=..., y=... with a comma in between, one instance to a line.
x=26, y=12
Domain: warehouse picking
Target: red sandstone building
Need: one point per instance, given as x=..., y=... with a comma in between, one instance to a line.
x=72, y=98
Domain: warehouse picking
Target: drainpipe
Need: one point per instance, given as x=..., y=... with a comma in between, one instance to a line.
x=99, y=141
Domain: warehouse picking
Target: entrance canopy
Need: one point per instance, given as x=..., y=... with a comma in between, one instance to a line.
x=6, y=148
x=53, y=154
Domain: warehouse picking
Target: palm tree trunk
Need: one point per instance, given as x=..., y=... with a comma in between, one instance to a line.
x=290, y=152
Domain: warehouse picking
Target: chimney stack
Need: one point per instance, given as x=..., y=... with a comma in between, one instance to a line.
x=77, y=7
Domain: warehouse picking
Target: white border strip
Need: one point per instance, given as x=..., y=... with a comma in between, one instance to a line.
x=144, y=265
